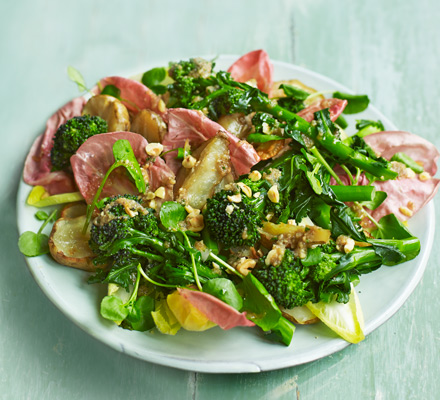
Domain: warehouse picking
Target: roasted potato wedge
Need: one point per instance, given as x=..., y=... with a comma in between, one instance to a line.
x=212, y=166
x=111, y=109
x=300, y=315
x=237, y=124
x=150, y=125
x=69, y=246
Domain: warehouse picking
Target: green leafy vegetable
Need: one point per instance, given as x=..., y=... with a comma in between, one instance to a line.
x=356, y=103
x=224, y=290
x=154, y=78
x=112, y=90
x=75, y=76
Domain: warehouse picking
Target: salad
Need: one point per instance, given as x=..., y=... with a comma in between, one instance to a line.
x=206, y=198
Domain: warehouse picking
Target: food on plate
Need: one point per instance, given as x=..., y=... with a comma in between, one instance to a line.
x=211, y=198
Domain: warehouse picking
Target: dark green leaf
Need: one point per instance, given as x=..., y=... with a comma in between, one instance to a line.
x=41, y=215
x=378, y=199
x=314, y=256
x=154, y=77
x=282, y=332
x=356, y=103
x=113, y=91
x=144, y=306
x=33, y=244
x=171, y=213
x=224, y=290
x=391, y=228
x=260, y=305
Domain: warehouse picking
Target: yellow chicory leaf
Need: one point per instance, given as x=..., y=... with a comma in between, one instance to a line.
x=164, y=319
x=188, y=316
x=346, y=320
x=38, y=197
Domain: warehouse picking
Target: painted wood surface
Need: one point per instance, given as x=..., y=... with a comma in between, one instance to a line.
x=386, y=48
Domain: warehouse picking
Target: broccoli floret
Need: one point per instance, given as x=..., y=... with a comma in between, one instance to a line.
x=232, y=223
x=70, y=136
x=287, y=282
x=320, y=271
x=190, y=82
x=114, y=223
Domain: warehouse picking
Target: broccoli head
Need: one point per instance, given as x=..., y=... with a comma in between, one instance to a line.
x=121, y=217
x=70, y=136
x=287, y=282
x=231, y=222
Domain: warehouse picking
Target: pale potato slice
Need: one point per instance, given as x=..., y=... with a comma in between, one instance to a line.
x=73, y=210
x=111, y=109
x=237, y=124
x=69, y=246
x=150, y=125
x=276, y=92
x=300, y=315
x=315, y=234
x=213, y=165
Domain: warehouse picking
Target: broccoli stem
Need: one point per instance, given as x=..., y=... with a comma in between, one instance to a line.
x=353, y=193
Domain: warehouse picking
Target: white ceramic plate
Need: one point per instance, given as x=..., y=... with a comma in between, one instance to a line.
x=381, y=293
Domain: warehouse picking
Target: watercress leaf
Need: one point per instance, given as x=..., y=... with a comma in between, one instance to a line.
x=262, y=138
x=121, y=275
x=144, y=305
x=356, y=103
x=112, y=90
x=171, y=213
x=342, y=224
x=133, y=315
x=224, y=290
x=33, y=244
x=314, y=256
x=389, y=227
x=123, y=153
x=154, y=77
x=75, y=76
x=159, y=89
x=378, y=199
x=113, y=308
x=41, y=215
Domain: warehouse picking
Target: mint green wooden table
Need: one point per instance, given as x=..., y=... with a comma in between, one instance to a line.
x=388, y=49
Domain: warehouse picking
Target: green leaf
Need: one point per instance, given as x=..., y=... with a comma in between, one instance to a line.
x=294, y=92
x=378, y=199
x=259, y=304
x=171, y=213
x=367, y=127
x=113, y=308
x=356, y=103
x=123, y=152
x=389, y=227
x=41, y=215
x=282, y=332
x=224, y=290
x=75, y=76
x=112, y=90
x=314, y=256
x=33, y=244
x=262, y=138
x=144, y=305
x=153, y=79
